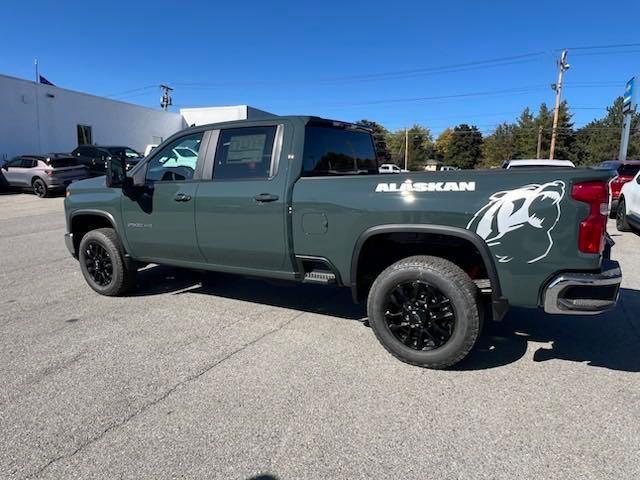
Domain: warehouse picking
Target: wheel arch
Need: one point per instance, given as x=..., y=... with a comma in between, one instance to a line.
x=500, y=304
x=83, y=221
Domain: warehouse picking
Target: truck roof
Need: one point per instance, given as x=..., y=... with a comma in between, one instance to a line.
x=298, y=118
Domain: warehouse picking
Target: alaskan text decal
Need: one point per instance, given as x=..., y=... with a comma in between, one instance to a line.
x=518, y=223
x=410, y=186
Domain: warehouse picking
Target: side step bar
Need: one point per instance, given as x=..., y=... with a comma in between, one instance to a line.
x=319, y=276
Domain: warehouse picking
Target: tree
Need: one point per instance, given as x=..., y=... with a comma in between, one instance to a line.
x=526, y=135
x=380, y=138
x=599, y=140
x=465, y=148
x=420, y=147
x=500, y=145
x=441, y=145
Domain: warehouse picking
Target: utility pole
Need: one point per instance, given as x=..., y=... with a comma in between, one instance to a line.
x=563, y=66
x=165, y=100
x=538, y=153
x=406, y=148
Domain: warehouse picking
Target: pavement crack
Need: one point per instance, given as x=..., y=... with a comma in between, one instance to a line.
x=159, y=399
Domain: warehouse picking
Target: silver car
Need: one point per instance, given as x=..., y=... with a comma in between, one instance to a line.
x=42, y=174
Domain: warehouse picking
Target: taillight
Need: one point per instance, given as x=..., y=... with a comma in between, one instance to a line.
x=592, y=230
x=49, y=173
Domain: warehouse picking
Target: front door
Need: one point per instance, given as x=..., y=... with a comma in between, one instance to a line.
x=17, y=172
x=241, y=207
x=159, y=217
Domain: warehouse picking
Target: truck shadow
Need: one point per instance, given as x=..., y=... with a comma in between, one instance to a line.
x=610, y=340
x=325, y=300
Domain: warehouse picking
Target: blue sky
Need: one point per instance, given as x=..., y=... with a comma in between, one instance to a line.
x=339, y=59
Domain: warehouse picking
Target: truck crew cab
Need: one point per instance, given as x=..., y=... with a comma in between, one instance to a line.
x=301, y=199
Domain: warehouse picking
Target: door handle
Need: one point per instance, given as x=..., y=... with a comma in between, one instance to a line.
x=182, y=197
x=265, y=197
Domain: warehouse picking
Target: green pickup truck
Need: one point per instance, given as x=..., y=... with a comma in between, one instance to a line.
x=301, y=199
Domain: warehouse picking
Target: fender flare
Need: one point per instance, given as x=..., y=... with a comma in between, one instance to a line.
x=500, y=304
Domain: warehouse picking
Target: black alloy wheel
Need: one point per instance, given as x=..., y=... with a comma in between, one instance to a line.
x=99, y=264
x=419, y=315
x=39, y=188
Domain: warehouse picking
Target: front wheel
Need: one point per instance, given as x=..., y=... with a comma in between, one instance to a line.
x=103, y=263
x=621, y=218
x=424, y=311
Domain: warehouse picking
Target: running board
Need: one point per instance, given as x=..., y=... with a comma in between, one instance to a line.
x=319, y=276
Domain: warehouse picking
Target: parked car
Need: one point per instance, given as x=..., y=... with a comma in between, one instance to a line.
x=302, y=199
x=448, y=168
x=628, y=211
x=43, y=174
x=95, y=157
x=390, y=168
x=536, y=163
x=622, y=172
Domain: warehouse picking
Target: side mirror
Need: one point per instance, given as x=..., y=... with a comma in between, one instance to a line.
x=116, y=173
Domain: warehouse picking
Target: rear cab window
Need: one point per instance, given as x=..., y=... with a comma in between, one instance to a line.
x=330, y=150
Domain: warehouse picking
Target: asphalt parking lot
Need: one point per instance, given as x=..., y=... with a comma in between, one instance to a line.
x=224, y=377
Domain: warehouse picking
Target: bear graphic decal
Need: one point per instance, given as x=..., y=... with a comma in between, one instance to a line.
x=517, y=224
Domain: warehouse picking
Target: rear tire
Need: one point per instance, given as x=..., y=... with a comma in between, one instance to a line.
x=621, y=218
x=104, y=265
x=425, y=312
x=40, y=188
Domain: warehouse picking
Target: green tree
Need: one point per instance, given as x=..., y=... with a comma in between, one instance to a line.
x=420, y=147
x=526, y=135
x=599, y=140
x=500, y=145
x=441, y=144
x=465, y=148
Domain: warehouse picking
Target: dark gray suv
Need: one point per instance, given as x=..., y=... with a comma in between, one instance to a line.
x=42, y=173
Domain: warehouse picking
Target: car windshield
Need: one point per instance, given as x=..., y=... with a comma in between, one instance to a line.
x=62, y=162
x=629, y=170
x=123, y=152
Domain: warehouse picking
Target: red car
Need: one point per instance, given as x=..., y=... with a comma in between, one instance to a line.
x=623, y=172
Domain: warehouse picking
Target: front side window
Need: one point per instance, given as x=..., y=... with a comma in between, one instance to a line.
x=244, y=153
x=336, y=151
x=15, y=162
x=176, y=162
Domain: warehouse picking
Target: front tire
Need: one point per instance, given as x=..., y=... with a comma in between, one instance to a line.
x=424, y=311
x=103, y=263
x=40, y=188
x=622, y=223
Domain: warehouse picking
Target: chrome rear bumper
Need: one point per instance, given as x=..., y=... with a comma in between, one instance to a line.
x=584, y=293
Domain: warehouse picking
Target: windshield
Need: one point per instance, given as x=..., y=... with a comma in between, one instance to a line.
x=628, y=170
x=123, y=152
x=63, y=162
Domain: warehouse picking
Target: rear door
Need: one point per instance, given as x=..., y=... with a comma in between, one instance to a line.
x=241, y=204
x=159, y=217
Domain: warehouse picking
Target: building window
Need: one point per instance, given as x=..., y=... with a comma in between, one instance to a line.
x=84, y=135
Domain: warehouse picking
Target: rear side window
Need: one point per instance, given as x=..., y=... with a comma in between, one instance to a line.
x=334, y=151
x=28, y=163
x=244, y=153
x=628, y=170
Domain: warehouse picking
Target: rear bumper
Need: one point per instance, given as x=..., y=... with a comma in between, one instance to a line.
x=574, y=293
x=68, y=241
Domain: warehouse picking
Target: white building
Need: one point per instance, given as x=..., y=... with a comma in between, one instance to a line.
x=38, y=118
